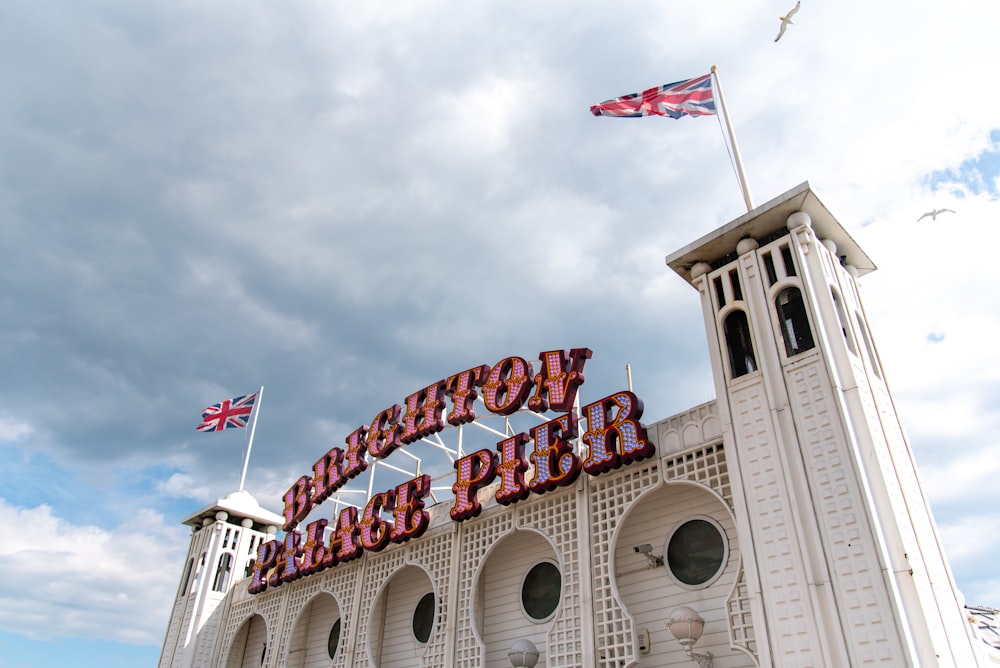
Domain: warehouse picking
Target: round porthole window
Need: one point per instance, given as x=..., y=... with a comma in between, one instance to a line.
x=423, y=618
x=334, y=640
x=696, y=552
x=541, y=591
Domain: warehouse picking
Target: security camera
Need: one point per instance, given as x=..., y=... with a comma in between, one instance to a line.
x=647, y=550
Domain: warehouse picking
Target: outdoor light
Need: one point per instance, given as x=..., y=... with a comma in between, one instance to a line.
x=686, y=626
x=523, y=654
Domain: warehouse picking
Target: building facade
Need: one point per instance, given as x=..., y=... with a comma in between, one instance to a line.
x=782, y=524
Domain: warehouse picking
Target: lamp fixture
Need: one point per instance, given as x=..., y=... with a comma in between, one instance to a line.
x=647, y=550
x=523, y=654
x=686, y=626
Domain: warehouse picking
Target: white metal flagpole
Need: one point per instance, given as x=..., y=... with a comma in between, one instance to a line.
x=732, y=141
x=253, y=426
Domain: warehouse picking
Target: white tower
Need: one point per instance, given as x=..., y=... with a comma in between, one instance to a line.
x=225, y=536
x=843, y=559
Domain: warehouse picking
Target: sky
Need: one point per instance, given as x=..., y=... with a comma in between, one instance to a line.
x=344, y=202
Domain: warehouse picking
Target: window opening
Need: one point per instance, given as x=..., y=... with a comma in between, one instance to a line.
x=696, y=552
x=720, y=293
x=186, y=578
x=423, y=618
x=772, y=274
x=737, y=332
x=786, y=259
x=541, y=591
x=333, y=641
x=842, y=319
x=868, y=344
x=199, y=570
x=734, y=280
x=795, y=328
x=222, y=572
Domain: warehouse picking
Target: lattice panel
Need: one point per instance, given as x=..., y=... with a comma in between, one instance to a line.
x=610, y=496
x=478, y=536
x=268, y=605
x=297, y=597
x=555, y=517
x=379, y=568
x=173, y=630
x=434, y=554
x=270, y=609
x=741, y=633
x=858, y=580
x=207, y=634
x=706, y=466
x=779, y=556
x=342, y=582
x=240, y=611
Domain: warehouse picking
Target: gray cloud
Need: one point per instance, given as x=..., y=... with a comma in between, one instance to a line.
x=345, y=203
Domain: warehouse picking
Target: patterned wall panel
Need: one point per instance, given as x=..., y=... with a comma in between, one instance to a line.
x=434, y=554
x=555, y=517
x=342, y=582
x=776, y=536
x=706, y=465
x=297, y=598
x=852, y=554
x=477, y=536
x=741, y=630
x=377, y=569
x=610, y=496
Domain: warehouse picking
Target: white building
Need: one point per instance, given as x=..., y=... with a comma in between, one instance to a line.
x=782, y=524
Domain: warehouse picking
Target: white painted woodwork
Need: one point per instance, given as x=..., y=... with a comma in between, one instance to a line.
x=499, y=597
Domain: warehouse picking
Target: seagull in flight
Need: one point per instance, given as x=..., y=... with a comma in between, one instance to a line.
x=787, y=19
x=934, y=213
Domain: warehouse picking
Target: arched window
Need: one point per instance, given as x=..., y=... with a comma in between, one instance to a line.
x=186, y=578
x=866, y=335
x=794, y=322
x=199, y=571
x=737, y=332
x=842, y=319
x=222, y=572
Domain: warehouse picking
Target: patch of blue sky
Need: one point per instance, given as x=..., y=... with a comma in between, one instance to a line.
x=82, y=497
x=977, y=176
x=19, y=652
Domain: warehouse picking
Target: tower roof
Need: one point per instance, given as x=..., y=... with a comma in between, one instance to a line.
x=239, y=505
x=764, y=221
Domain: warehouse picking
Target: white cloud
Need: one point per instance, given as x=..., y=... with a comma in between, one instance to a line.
x=181, y=485
x=12, y=429
x=340, y=201
x=85, y=581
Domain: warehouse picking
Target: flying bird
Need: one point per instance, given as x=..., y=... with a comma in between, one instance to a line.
x=787, y=19
x=934, y=213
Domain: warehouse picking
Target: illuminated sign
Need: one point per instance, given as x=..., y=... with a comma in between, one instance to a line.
x=614, y=436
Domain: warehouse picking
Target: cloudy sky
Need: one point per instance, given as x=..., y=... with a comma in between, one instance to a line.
x=344, y=202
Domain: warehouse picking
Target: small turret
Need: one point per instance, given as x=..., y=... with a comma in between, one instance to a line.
x=225, y=536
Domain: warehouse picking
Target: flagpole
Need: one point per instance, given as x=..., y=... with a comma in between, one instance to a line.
x=732, y=141
x=253, y=426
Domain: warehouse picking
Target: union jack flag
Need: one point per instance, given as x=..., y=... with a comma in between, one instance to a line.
x=228, y=413
x=691, y=97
